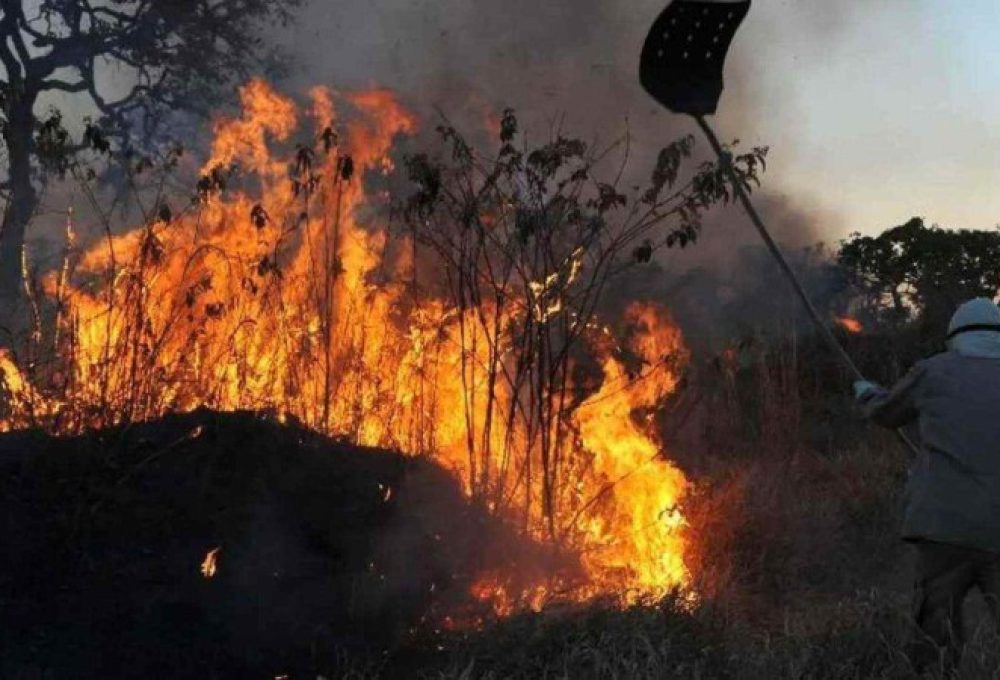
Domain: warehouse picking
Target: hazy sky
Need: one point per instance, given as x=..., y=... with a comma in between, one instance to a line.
x=875, y=110
x=895, y=116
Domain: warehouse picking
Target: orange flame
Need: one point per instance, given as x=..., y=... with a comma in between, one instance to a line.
x=638, y=532
x=292, y=297
x=848, y=324
x=209, y=565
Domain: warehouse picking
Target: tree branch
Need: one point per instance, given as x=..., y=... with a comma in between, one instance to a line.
x=8, y=25
x=63, y=86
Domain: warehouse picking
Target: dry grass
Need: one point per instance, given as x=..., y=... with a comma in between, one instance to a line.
x=863, y=637
x=798, y=559
x=803, y=577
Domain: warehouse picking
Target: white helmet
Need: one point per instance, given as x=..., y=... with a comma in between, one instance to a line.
x=978, y=314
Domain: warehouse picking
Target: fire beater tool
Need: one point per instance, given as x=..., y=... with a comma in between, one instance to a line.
x=681, y=67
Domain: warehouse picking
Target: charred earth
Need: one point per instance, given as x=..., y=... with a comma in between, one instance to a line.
x=321, y=549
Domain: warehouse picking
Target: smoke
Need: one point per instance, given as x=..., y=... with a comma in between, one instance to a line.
x=548, y=58
x=578, y=57
x=572, y=65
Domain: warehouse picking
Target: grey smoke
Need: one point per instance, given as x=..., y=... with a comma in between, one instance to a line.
x=570, y=64
x=566, y=63
x=573, y=64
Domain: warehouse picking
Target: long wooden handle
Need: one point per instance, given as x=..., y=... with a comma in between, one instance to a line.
x=821, y=325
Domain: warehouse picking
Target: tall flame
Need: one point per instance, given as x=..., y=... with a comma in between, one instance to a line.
x=638, y=532
x=293, y=296
x=210, y=565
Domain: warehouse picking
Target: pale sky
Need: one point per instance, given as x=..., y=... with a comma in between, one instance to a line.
x=875, y=110
x=896, y=116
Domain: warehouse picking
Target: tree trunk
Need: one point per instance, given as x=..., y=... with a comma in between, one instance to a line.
x=19, y=139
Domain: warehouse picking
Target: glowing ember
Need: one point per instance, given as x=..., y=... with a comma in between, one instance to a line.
x=209, y=565
x=849, y=324
x=293, y=296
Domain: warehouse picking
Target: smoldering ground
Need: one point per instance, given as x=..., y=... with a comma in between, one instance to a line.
x=321, y=547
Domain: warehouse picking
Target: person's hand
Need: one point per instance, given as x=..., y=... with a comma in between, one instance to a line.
x=864, y=389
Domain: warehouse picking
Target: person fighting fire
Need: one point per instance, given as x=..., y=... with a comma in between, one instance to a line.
x=953, y=497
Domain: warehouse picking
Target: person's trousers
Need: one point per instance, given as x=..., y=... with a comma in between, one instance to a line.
x=945, y=575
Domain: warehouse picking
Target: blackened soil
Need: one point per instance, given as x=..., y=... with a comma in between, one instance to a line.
x=325, y=549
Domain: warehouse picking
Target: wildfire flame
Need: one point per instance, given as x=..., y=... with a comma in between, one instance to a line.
x=638, y=532
x=849, y=324
x=209, y=565
x=292, y=297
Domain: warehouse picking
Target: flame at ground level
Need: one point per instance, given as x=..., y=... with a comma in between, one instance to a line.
x=292, y=295
x=849, y=324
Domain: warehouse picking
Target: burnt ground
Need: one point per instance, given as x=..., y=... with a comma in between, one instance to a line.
x=103, y=536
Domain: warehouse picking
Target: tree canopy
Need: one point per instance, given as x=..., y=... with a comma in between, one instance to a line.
x=915, y=271
x=166, y=55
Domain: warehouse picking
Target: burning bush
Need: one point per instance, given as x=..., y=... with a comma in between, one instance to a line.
x=464, y=330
